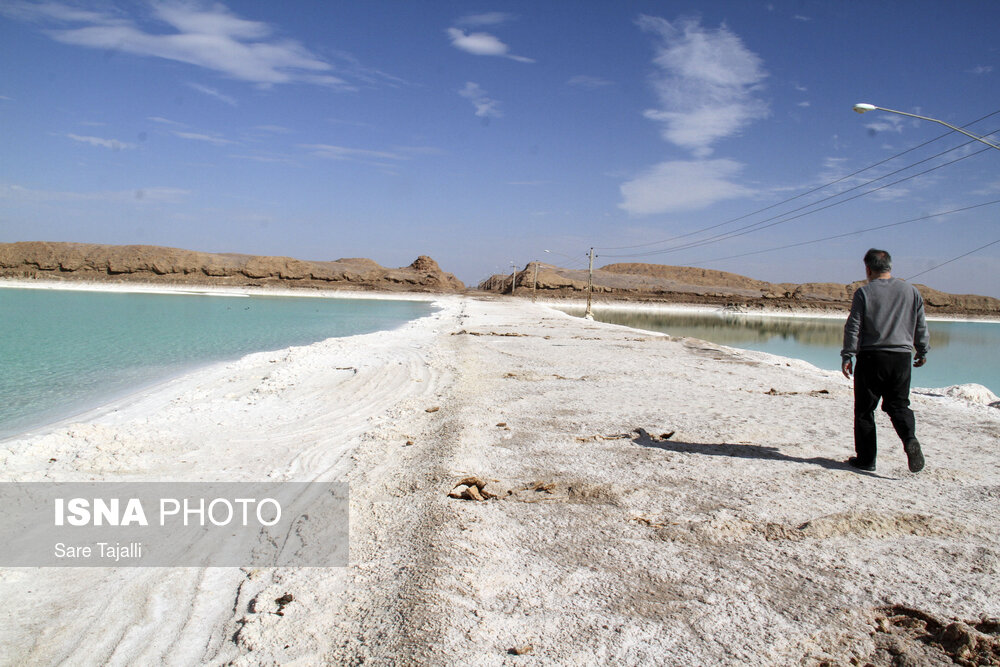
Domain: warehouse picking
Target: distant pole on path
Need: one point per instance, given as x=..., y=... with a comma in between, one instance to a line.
x=590, y=287
x=513, y=278
x=534, y=283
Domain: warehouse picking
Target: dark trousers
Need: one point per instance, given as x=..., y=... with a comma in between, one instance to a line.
x=884, y=375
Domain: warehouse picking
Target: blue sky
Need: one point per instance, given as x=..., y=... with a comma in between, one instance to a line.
x=486, y=133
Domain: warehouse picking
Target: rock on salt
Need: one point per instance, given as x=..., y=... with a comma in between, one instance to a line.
x=974, y=393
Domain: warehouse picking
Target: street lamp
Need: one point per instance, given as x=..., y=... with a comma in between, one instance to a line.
x=553, y=252
x=862, y=108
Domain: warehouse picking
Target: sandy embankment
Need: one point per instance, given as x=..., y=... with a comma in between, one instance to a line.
x=741, y=539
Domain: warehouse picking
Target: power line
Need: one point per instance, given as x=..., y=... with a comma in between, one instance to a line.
x=757, y=226
x=953, y=259
x=799, y=196
x=858, y=231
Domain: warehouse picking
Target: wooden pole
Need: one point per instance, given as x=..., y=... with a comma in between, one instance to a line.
x=534, y=283
x=590, y=287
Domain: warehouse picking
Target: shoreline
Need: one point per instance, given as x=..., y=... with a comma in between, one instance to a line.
x=213, y=290
x=605, y=539
x=622, y=305
x=679, y=308
x=124, y=396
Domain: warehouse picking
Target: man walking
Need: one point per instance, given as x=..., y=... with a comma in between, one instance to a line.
x=885, y=325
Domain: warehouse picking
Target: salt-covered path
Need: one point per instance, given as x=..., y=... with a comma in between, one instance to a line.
x=741, y=538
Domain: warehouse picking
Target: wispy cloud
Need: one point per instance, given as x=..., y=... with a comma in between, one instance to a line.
x=682, y=185
x=212, y=92
x=419, y=150
x=208, y=138
x=113, y=144
x=489, y=18
x=273, y=129
x=706, y=81
x=482, y=44
x=267, y=159
x=209, y=37
x=486, y=106
x=886, y=123
x=55, y=11
x=803, y=19
x=990, y=189
x=804, y=104
x=589, y=82
x=354, y=123
x=147, y=195
x=164, y=121
x=981, y=69
x=344, y=153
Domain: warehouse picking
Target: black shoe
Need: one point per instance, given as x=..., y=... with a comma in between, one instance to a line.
x=914, y=456
x=855, y=463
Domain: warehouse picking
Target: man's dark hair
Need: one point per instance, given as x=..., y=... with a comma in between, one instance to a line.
x=878, y=261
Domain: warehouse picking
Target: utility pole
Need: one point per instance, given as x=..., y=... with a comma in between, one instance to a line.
x=513, y=278
x=590, y=287
x=534, y=283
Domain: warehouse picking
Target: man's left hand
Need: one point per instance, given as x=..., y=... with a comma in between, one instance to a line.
x=919, y=361
x=847, y=367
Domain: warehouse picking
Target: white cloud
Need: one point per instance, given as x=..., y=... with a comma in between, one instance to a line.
x=804, y=104
x=682, y=185
x=30, y=11
x=212, y=92
x=981, y=69
x=164, y=121
x=990, y=189
x=482, y=44
x=113, y=144
x=887, y=123
x=485, y=105
x=706, y=83
x=273, y=129
x=213, y=38
x=268, y=159
x=803, y=19
x=212, y=139
x=354, y=123
x=589, y=82
x=419, y=150
x=489, y=18
x=148, y=195
x=217, y=21
x=343, y=153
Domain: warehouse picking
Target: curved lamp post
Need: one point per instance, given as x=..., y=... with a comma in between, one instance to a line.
x=553, y=252
x=862, y=108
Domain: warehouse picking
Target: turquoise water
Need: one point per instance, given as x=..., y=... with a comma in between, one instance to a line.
x=64, y=351
x=961, y=352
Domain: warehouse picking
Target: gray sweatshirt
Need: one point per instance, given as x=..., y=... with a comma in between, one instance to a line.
x=887, y=314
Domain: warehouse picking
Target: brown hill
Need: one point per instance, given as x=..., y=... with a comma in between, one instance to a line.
x=156, y=264
x=682, y=284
